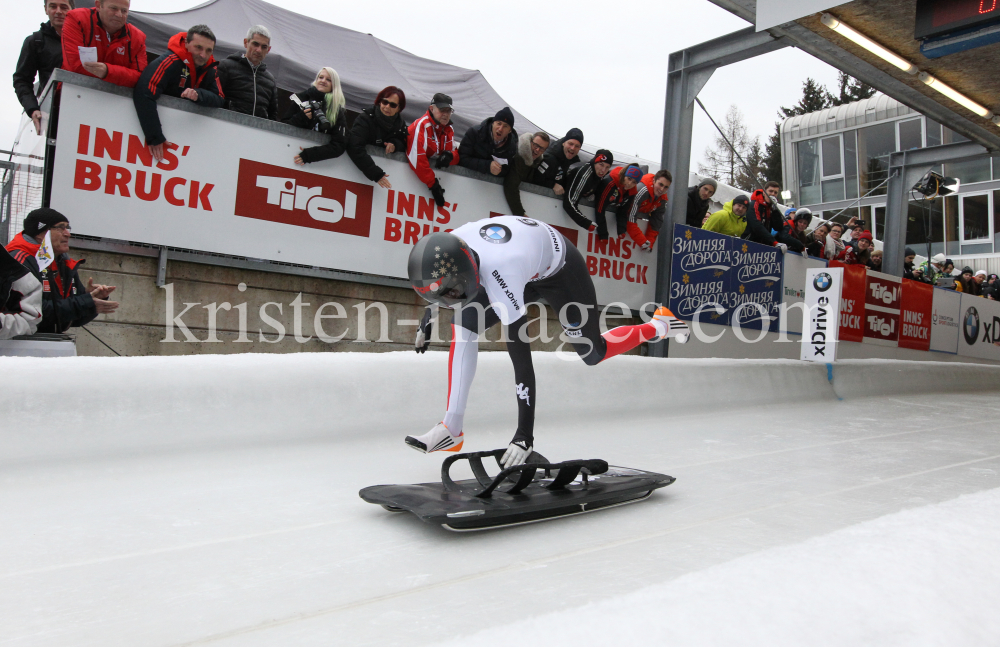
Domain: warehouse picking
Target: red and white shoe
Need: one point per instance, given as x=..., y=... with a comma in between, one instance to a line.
x=670, y=326
x=438, y=439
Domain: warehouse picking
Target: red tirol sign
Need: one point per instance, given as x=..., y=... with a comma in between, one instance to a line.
x=852, y=302
x=883, y=294
x=291, y=197
x=916, y=305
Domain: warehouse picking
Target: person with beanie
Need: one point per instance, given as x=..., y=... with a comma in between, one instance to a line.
x=380, y=125
x=616, y=190
x=908, y=256
x=433, y=136
x=861, y=252
x=581, y=182
x=793, y=233
x=967, y=283
x=731, y=220
x=491, y=146
x=933, y=268
x=699, y=201
x=551, y=173
x=530, y=149
x=66, y=301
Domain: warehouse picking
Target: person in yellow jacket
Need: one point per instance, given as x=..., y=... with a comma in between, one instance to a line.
x=732, y=220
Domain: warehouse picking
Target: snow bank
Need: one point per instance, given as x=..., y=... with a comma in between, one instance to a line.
x=927, y=576
x=97, y=405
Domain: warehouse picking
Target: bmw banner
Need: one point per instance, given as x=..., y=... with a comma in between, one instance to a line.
x=718, y=279
x=979, y=328
x=819, y=336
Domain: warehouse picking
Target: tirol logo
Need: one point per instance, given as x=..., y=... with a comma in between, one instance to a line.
x=496, y=234
x=278, y=194
x=970, y=327
x=822, y=282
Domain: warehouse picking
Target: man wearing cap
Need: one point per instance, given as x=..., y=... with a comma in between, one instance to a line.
x=582, y=181
x=699, y=201
x=530, y=149
x=491, y=146
x=731, y=220
x=793, y=233
x=66, y=302
x=551, y=173
x=430, y=136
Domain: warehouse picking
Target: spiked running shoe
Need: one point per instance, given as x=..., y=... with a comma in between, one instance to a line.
x=674, y=327
x=438, y=439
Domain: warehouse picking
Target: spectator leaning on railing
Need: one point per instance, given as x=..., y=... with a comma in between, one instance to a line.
x=992, y=288
x=817, y=240
x=967, y=283
x=491, y=146
x=861, y=252
x=432, y=135
x=908, y=256
x=65, y=300
x=875, y=264
x=731, y=220
x=529, y=155
x=380, y=125
x=187, y=71
x=20, y=298
x=763, y=216
x=699, y=201
x=583, y=181
x=105, y=34
x=320, y=107
x=934, y=268
x=649, y=203
x=247, y=85
x=615, y=190
x=551, y=173
x=40, y=54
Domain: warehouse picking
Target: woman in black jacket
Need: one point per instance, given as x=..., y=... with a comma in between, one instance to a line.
x=333, y=121
x=380, y=125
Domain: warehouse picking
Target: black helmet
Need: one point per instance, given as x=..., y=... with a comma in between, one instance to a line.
x=444, y=270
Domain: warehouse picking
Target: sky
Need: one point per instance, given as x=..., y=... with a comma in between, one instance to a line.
x=561, y=63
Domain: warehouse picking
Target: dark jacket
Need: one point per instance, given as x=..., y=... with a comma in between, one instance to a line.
x=171, y=74
x=250, y=91
x=370, y=129
x=40, y=54
x=477, y=149
x=65, y=300
x=338, y=133
x=20, y=298
x=582, y=182
x=696, y=209
x=796, y=241
x=554, y=166
x=521, y=168
x=759, y=219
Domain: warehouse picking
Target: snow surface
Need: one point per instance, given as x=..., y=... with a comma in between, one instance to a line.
x=212, y=500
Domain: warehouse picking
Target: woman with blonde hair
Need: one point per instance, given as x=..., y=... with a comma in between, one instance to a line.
x=320, y=107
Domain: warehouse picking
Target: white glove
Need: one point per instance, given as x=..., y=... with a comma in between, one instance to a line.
x=516, y=454
x=646, y=247
x=783, y=247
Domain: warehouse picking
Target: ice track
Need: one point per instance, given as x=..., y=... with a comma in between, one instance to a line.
x=213, y=500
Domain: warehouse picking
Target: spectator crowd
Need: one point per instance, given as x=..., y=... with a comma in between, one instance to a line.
x=100, y=42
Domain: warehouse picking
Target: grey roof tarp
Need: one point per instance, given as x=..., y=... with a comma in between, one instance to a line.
x=300, y=46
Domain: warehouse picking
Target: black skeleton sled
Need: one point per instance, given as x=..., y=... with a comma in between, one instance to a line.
x=535, y=491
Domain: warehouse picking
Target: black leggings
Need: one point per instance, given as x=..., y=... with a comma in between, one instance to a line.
x=571, y=293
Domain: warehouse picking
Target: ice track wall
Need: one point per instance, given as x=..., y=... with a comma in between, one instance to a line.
x=64, y=408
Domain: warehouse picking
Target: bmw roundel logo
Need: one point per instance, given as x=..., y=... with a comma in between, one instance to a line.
x=496, y=234
x=822, y=282
x=970, y=326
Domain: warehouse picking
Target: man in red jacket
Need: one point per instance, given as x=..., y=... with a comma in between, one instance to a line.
x=187, y=71
x=433, y=135
x=120, y=47
x=648, y=203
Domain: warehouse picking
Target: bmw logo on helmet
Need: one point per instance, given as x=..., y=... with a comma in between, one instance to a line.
x=970, y=326
x=822, y=282
x=496, y=234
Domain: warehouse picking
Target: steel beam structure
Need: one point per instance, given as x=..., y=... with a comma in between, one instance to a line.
x=905, y=170
x=688, y=72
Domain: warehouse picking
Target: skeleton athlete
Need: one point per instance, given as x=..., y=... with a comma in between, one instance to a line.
x=488, y=271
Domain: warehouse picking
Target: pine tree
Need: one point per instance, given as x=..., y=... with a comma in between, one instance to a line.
x=722, y=162
x=771, y=166
x=815, y=97
x=852, y=90
x=748, y=178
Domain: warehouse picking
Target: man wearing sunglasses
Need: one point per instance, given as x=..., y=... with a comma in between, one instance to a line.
x=433, y=136
x=66, y=301
x=529, y=155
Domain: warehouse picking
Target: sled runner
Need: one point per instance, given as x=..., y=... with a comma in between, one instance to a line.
x=535, y=491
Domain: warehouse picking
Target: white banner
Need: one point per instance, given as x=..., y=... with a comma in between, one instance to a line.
x=793, y=282
x=945, y=321
x=819, y=338
x=979, y=334
x=235, y=190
